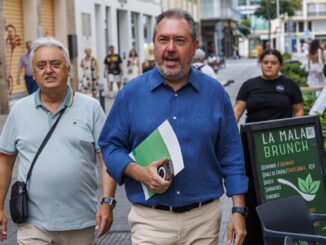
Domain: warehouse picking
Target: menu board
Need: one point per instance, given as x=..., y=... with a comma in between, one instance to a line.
x=286, y=158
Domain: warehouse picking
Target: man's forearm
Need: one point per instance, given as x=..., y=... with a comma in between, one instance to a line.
x=238, y=200
x=6, y=166
x=109, y=185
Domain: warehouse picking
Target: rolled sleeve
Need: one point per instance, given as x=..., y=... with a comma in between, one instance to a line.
x=8, y=136
x=114, y=142
x=98, y=122
x=230, y=153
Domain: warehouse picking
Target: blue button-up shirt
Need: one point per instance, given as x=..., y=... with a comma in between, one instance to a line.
x=202, y=117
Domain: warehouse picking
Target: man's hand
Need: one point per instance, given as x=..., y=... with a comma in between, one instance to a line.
x=236, y=229
x=3, y=224
x=104, y=219
x=148, y=176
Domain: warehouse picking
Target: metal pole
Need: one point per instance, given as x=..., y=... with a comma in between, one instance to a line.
x=277, y=8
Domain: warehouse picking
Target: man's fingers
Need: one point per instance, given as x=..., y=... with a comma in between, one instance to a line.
x=3, y=234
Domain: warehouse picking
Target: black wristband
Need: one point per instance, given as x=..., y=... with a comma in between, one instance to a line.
x=241, y=210
x=110, y=201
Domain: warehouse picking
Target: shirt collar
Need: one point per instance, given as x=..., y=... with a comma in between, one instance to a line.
x=67, y=101
x=156, y=80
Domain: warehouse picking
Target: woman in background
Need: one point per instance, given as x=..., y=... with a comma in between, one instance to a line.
x=269, y=96
x=89, y=65
x=133, y=64
x=315, y=65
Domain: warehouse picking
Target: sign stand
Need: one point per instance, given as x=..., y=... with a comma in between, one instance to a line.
x=284, y=158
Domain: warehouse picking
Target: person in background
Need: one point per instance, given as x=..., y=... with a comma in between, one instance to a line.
x=113, y=70
x=315, y=65
x=62, y=191
x=186, y=208
x=133, y=64
x=91, y=74
x=26, y=65
x=271, y=95
x=149, y=62
x=200, y=64
x=259, y=51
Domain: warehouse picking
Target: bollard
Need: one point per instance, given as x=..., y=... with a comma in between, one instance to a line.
x=102, y=99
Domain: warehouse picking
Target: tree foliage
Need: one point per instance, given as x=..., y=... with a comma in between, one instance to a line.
x=267, y=8
x=245, y=26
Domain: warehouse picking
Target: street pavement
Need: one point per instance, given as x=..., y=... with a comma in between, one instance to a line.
x=237, y=71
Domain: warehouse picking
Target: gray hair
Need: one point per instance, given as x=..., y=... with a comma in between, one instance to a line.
x=49, y=42
x=178, y=14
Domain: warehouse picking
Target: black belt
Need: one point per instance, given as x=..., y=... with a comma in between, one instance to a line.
x=183, y=208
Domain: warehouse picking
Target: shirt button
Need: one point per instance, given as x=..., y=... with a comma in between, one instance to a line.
x=175, y=95
x=178, y=192
x=174, y=118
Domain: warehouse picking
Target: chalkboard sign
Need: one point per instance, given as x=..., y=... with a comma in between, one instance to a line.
x=285, y=158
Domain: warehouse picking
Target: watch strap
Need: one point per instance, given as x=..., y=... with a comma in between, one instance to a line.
x=241, y=210
x=110, y=201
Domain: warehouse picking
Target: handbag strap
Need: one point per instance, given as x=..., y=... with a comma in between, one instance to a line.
x=47, y=137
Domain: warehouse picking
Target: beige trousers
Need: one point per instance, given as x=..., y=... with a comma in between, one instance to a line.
x=28, y=234
x=199, y=226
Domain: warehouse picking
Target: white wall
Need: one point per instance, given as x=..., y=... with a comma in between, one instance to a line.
x=97, y=9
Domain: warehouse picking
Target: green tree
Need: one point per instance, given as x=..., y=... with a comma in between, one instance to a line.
x=267, y=8
x=245, y=26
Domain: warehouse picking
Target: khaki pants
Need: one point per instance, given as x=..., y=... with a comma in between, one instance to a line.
x=199, y=226
x=28, y=234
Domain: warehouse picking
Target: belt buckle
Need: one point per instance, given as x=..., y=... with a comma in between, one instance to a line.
x=171, y=209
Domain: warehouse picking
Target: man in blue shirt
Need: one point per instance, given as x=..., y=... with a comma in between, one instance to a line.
x=186, y=209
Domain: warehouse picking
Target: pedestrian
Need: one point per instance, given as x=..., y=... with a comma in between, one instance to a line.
x=113, y=70
x=25, y=64
x=199, y=63
x=186, y=209
x=259, y=51
x=271, y=95
x=149, y=62
x=133, y=64
x=62, y=189
x=315, y=65
x=91, y=74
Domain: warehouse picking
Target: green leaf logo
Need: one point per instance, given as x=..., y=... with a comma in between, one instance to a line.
x=308, y=185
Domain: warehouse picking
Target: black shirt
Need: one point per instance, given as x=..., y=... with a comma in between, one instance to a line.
x=113, y=61
x=269, y=99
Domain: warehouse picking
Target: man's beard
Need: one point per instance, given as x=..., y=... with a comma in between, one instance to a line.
x=174, y=76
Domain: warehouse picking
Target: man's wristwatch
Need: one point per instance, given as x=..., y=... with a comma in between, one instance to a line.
x=110, y=201
x=241, y=210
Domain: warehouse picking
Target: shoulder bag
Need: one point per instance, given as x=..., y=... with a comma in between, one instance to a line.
x=19, y=195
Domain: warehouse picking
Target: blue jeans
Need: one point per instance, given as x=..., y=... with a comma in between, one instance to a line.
x=31, y=84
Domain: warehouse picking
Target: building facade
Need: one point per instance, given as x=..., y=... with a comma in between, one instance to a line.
x=78, y=24
x=125, y=24
x=24, y=20
x=290, y=34
x=219, y=20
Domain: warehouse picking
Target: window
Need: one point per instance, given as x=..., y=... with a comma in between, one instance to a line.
x=147, y=28
x=86, y=24
x=242, y=2
x=309, y=26
x=134, y=31
x=316, y=9
x=255, y=2
x=301, y=26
